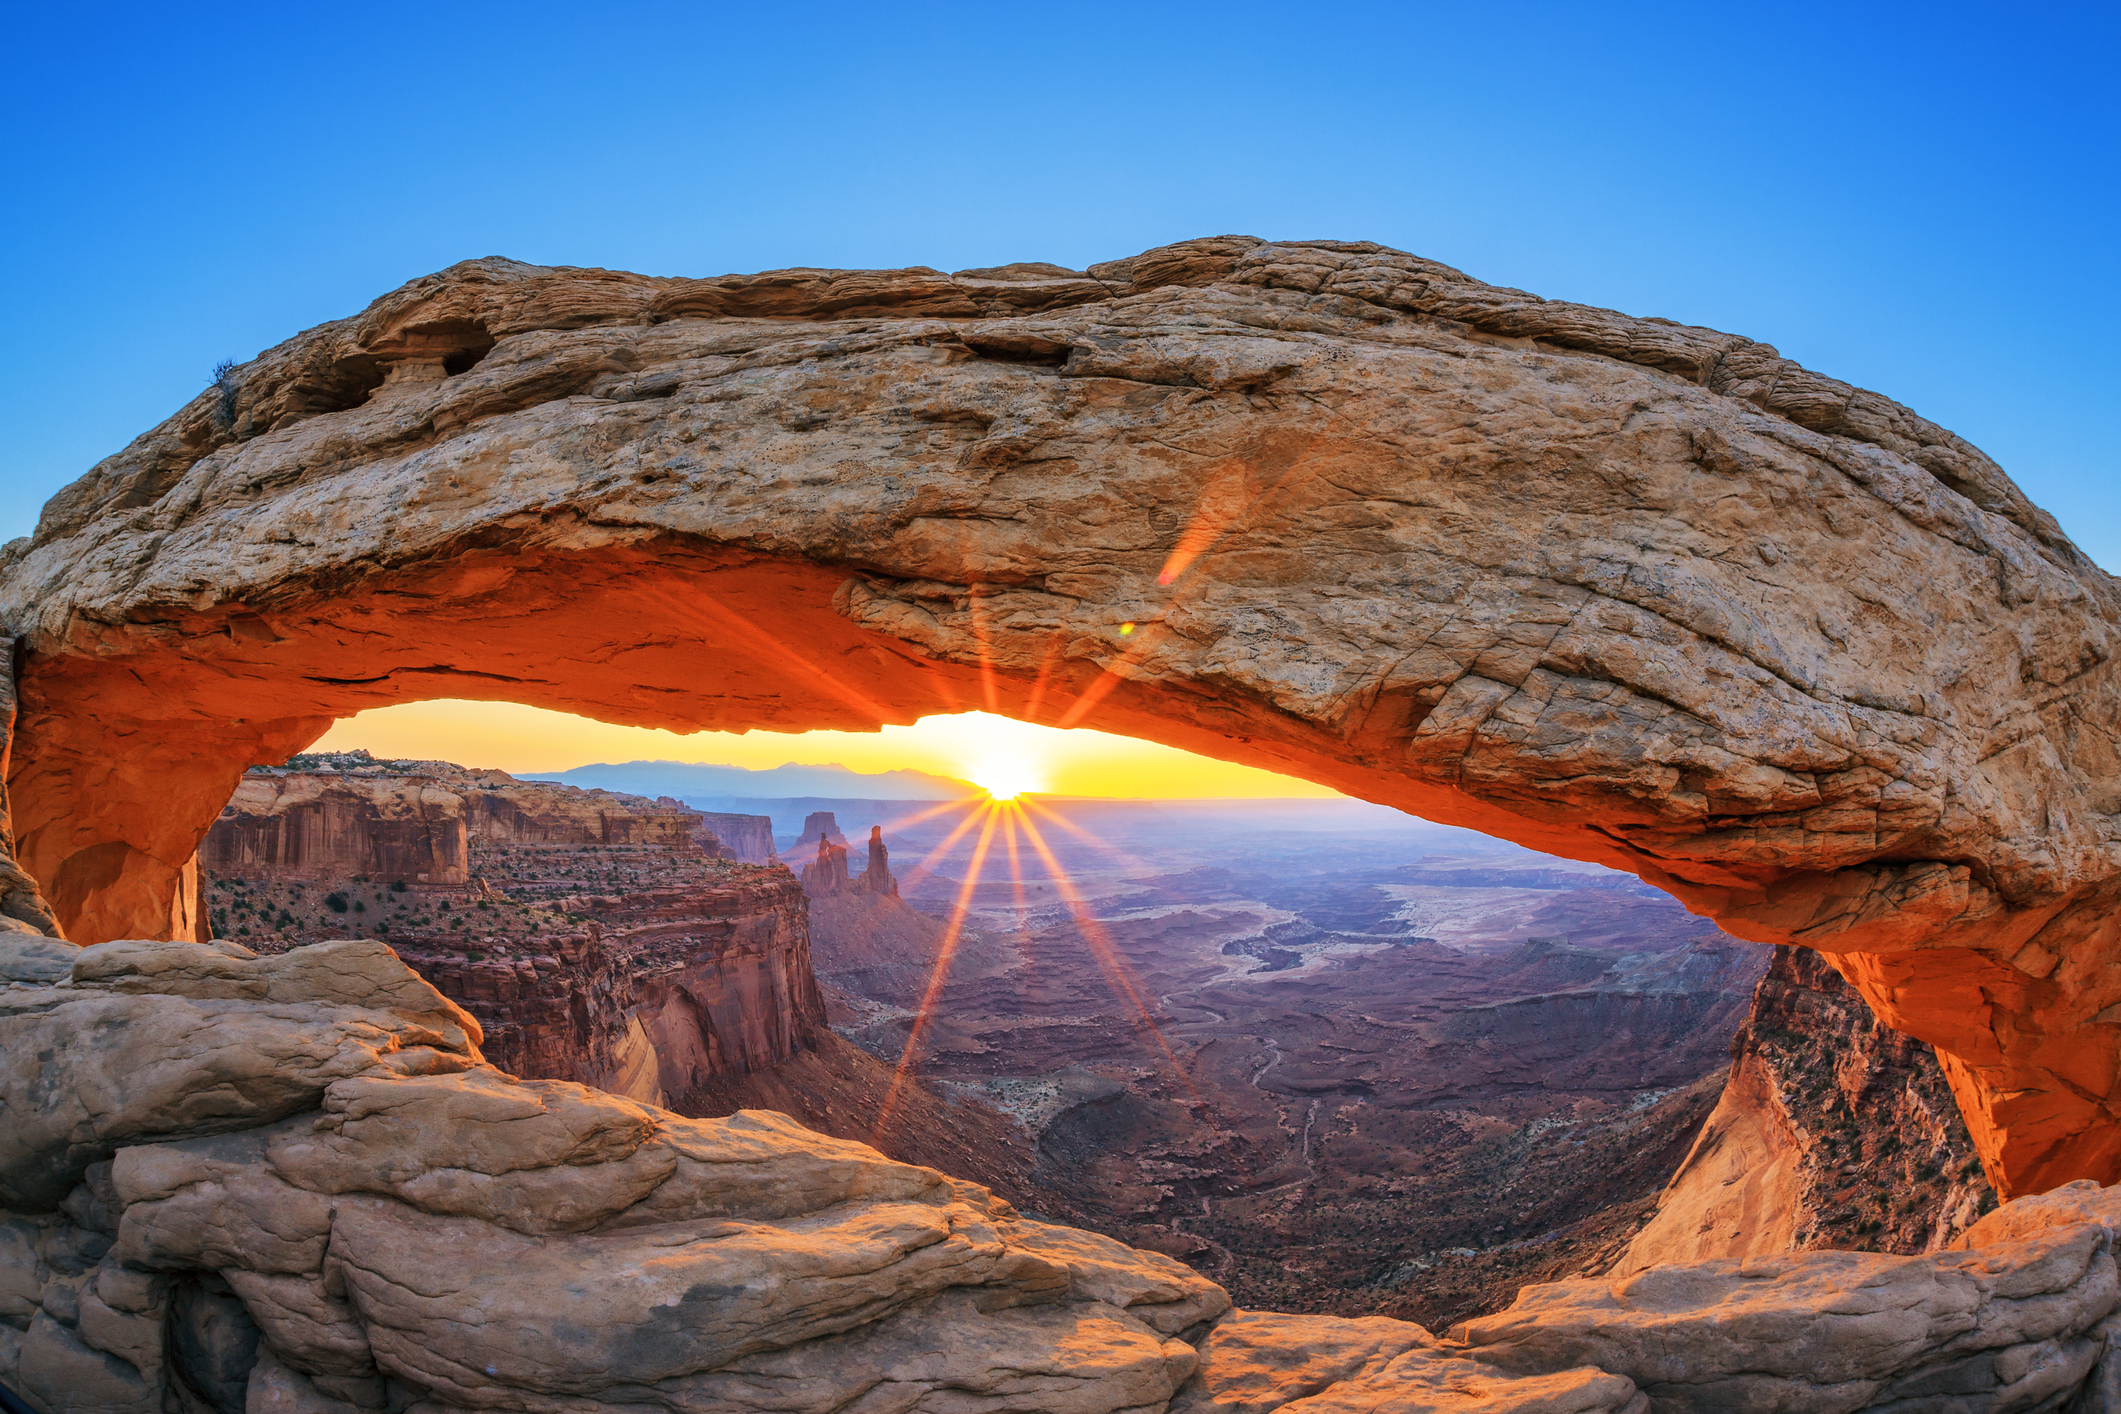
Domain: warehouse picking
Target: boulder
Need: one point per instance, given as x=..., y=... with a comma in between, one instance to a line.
x=320, y=1198
x=2009, y=1327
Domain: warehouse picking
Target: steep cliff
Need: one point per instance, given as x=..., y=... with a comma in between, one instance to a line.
x=332, y=826
x=576, y=970
x=647, y=995
x=746, y=838
x=1834, y=1131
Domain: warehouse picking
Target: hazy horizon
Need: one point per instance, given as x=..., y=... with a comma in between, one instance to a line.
x=975, y=747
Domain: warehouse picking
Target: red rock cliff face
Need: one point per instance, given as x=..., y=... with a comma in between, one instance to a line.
x=648, y=992
x=659, y=995
x=747, y=838
x=1834, y=1131
x=327, y=826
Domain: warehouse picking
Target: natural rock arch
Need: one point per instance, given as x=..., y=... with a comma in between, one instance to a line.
x=1616, y=588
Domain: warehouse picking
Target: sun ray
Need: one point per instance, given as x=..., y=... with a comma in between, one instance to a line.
x=1107, y=953
x=1038, y=684
x=774, y=648
x=1016, y=870
x=986, y=650
x=905, y=822
x=972, y=817
x=1109, y=678
x=1111, y=852
x=1222, y=503
x=938, y=973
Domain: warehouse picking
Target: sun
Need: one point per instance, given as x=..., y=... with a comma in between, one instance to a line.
x=1004, y=780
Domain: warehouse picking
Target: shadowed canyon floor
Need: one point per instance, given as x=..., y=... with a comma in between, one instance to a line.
x=1342, y=1063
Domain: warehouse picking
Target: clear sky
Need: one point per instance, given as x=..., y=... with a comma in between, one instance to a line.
x=1920, y=199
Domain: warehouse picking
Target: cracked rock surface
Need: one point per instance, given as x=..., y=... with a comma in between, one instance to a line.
x=1613, y=587
x=395, y=1225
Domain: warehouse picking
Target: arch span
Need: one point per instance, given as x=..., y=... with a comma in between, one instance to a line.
x=1619, y=589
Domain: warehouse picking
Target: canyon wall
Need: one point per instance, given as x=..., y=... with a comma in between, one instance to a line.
x=1622, y=589
x=303, y=825
x=1833, y=1131
x=689, y=969
x=299, y=1188
x=746, y=838
x=656, y=996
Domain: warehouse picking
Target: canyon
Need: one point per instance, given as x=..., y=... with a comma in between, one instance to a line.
x=1572, y=1013
x=1349, y=1064
x=366, y=1216
x=1623, y=591
x=597, y=936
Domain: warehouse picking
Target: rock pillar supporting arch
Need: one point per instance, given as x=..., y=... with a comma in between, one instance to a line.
x=1617, y=589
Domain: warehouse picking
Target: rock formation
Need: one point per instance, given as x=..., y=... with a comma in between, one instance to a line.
x=655, y=998
x=876, y=879
x=650, y=993
x=1834, y=1131
x=333, y=827
x=290, y=1183
x=745, y=838
x=819, y=827
x=826, y=874
x=1616, y=588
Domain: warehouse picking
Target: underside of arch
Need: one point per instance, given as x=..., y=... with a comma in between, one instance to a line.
x=1771, y=643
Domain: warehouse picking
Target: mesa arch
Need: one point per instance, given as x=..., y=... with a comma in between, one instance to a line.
x=1616, y=588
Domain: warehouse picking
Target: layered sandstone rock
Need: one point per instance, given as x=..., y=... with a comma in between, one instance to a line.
x=324, y=1201
x=317, y=826
x=2019, y=1324
x=1833, y=1131
x=1616, y=588
x=649, y=993
x=291, y=1183
x=745, y=838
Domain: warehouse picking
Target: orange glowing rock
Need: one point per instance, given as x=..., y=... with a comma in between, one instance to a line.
x=1616, y=588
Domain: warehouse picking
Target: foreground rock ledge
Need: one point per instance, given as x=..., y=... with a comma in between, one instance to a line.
x=1618, y=588
x=290, y=1184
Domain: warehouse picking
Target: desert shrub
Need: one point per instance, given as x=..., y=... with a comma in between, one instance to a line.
x=335, y=902
x=397, y=886
x=225, y=389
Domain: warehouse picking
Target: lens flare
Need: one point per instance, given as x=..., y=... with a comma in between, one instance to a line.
x=1004, y=816
x=1005, y=780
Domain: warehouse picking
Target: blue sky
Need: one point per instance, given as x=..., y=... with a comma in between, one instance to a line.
x=1921, y=200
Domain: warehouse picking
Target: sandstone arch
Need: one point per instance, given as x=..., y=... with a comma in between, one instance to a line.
x=1616, y=588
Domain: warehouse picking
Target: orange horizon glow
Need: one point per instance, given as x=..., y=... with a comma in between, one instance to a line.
x=1002, y=756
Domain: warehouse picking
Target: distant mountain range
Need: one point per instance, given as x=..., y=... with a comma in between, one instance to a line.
x=694, y=783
